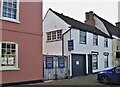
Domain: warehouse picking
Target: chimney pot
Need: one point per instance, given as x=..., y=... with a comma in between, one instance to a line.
x=87, y=15
x=90, y=18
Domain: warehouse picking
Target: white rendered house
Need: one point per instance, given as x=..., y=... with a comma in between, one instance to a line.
x=88, y=49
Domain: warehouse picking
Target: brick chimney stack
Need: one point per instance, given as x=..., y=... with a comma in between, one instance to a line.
x=90, y=18
x=117, y=24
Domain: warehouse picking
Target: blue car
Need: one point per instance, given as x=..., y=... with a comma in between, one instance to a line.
x=109, y=76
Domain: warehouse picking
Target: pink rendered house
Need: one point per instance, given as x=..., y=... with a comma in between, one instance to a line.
x=20, y=42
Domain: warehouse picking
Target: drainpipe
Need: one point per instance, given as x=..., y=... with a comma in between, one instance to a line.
x=63, y=39
x=68, y=62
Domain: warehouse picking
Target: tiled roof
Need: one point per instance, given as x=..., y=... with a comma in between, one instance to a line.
x=113, y=30
x=79, y=25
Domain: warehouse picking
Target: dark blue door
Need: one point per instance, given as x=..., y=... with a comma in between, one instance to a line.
x=78, y=65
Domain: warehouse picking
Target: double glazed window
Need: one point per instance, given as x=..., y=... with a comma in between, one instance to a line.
x=10, y=9
x=95, y=40
x=54, y=35
x=9, y=55
x=82, y=37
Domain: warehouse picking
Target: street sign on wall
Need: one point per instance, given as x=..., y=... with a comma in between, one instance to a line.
x=70, y=45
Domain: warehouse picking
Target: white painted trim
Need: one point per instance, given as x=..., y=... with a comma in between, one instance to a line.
x=8, y=42
x=115, y=37
x=1, y=9
x=70, y=64
x=56, y=29
x=10, y=68
x=87, y=66
x=16, y=60
x=10, y=19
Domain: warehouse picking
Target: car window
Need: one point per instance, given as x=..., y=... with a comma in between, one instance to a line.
x=117, y=70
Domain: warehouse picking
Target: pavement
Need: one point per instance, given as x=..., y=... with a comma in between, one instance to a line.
x=89, y=80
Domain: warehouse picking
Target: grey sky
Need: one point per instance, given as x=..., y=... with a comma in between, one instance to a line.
x=107, y=9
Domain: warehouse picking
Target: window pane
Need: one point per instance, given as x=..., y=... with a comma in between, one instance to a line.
x=95, y=40
x=105, y=61
x=8, y=54
x=13, y=46
x=14, y=5
x=3, y=51
x=105, y=42
x=10, y=8
x=59, y=34
x=3, y=45
x=53, y=35
x=82, y=37
x=8, y=45
x=49, y=36
x=94, y=62
x=10, y=4
x=4, y=61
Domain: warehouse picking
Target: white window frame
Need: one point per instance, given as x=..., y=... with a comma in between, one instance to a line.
x=10, y=19
x=16, y=60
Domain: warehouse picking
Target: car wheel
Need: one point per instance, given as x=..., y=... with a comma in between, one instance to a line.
x=105, y=80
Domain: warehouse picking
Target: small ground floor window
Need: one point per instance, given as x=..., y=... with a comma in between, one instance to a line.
x=105, y=61
x=95, y=62
x=9, y=55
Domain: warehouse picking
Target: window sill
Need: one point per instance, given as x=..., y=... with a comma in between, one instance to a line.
x=9, y=20
x=54, y=40
x=9, y=69
x=83, y=43
x=95, y=45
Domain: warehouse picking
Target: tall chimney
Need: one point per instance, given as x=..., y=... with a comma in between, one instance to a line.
x=117, y=24
x=90, y=18
x=87, y=15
